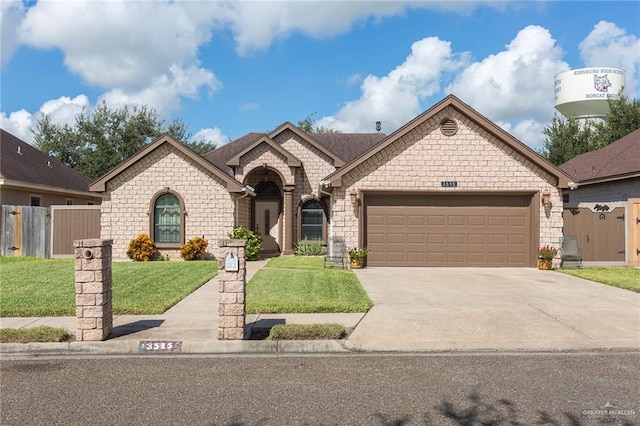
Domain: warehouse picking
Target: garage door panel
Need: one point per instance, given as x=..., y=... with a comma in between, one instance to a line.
x=453, y=231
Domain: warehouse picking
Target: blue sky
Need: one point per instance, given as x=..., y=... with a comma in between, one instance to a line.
x=227, y=68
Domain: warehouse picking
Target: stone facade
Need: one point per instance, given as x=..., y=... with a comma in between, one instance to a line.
x=423, y=158
x=127, y=208
x=231, y=289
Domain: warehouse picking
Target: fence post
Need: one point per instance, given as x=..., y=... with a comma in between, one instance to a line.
x=231, y=289
x=93, y=289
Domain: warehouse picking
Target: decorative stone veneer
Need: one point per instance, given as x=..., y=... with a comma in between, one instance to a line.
x=93, y=289
x=231, y=290
x=209, y=207
x=423, y=158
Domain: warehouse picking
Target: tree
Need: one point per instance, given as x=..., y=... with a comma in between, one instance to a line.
x=566, y=138
x=308, y=125
x=100, y=140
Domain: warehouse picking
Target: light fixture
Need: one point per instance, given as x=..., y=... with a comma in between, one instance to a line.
x=355, y=201
x=546, y=198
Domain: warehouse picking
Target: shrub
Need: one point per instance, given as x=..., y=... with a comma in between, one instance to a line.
x=309, y=248
x=142, y=248
x=307, y=331
x=254, y=241
x=194, y=249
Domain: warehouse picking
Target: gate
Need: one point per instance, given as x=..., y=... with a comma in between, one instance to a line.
x=71, y=223
x=600, y=231
x=25, y=231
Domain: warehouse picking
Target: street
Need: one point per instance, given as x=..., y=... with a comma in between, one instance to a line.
x=562, y=388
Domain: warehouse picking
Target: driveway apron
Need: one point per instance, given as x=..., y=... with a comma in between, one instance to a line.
x=493, y=309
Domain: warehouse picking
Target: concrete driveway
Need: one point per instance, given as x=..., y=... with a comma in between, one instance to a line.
x=435, y=309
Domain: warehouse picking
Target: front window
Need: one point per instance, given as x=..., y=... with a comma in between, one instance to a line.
x=167, y=216
x=312, y=221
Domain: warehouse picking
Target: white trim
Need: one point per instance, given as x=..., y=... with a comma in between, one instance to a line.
x=46, y=188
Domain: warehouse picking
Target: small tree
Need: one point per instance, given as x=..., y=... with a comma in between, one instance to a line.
x=254, y=241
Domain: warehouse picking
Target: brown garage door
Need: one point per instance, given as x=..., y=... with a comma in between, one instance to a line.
x=452, y=230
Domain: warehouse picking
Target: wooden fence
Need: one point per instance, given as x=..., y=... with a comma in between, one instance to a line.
x=46, y=231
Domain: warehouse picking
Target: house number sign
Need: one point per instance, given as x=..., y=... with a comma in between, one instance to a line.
x=146, y=346
x=231, y=263
x=449, y=183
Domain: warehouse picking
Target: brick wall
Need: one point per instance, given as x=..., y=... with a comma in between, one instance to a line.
x=424, y=157
x=126, y=209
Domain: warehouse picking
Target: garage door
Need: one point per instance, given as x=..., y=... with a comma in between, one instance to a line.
x=452, y=230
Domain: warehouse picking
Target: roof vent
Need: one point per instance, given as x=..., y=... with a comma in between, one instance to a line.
x=48, y=163
x=449, y=126
x=19, y=152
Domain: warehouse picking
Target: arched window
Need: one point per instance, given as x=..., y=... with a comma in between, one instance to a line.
x=167, y=220
x=312, y=221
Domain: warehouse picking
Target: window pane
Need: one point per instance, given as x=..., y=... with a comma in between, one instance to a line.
x=312, y=220
x=167, y=219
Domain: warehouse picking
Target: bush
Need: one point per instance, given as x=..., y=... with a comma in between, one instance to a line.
x=254, y=241
x=309, y=248
x=307, y=332
x=194, y=249
x=142, y=248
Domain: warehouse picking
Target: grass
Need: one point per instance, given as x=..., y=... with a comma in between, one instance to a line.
x=307, y=331
x=34, y=334
x=621, y=277
x=299, y=284
x=46, y=287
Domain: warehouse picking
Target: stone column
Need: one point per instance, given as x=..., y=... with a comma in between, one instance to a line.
x=93, y=289
x=231, y=289
x=288, y=221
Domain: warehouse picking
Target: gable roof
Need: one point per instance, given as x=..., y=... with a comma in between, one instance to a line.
x=292, y=160
x=618, y=160
x=231, y=184
x=23, y=163
x=341, y=147
x=562, y=179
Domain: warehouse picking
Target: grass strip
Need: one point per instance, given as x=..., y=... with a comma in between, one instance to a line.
x=622, y=277
x=34, y=334
x=307, y=331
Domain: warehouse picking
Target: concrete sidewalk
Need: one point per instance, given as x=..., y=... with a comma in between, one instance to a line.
x=193, y=322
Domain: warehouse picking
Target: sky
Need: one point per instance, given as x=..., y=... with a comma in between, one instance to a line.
x=227, y=68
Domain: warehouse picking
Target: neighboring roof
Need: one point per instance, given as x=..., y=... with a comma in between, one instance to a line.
x=562, y=179
x=21, y=162
x=231, y=184
x=341, y=147
x=618, y=160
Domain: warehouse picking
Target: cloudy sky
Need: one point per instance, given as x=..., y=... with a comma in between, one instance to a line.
x=227, y=68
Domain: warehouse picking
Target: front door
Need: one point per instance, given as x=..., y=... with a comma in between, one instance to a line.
x=267, y=224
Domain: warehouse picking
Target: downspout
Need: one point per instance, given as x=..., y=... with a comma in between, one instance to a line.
x=325, y=184
x=248, y=191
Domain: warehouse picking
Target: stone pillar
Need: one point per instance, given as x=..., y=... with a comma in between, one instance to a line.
x=288, y=221
x=93, y=289
x=231, y=289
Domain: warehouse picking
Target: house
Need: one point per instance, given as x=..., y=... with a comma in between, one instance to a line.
x=29, y=177
x=603, y=210
x=449, y=188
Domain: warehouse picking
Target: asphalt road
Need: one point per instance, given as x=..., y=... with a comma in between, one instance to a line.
x=587, y=388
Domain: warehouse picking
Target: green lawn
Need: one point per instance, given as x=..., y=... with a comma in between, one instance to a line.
x=622, y=277
x=46, y=287
x=299, y=284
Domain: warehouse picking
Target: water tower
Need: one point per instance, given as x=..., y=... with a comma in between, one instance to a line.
x=583, y=93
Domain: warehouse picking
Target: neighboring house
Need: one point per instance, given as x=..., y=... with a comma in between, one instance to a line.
x=449, y=188
x=603, y=211
x=29, y=177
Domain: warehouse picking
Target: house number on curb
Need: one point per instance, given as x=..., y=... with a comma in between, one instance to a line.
x=231, y=263
x=159, y=347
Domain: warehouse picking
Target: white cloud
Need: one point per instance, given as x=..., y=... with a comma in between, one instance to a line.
x=63, y=110
x=11, y=14
x=395, y=98
x=214, y=135
x=609, y=45
x=517, y=83
x=249, y=106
